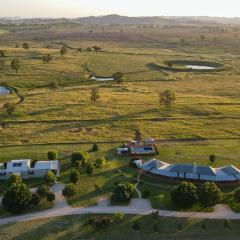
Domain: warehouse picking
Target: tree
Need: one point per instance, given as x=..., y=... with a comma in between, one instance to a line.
x=80, y=156
x=212, y=158
x=52, y=155
x=47, y=58
x=35, y=200
x=2, y=54
x=167, y=98
x=74, y=176
x=184, y=195
x=95, y=147
x=42, y=191
x=9, y=108
x=118, y=76
x=209, y=194
x=96, y=48
x=118, y=217
x=51, y=197
x=50, y=178
x=95, y=96
x=17, y=198
x=90, y=168
x=236, y=194
x=15, y=65
x=14, y=179
x=136, y=225
x=25, y=46
x=53, y=86
x=100, y=162
x=138, y=135
x=63, y=51
x=123, y=192
x=69, y=190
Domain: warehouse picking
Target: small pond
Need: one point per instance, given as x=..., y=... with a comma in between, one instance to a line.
x=199, y=67
x=96, y=78
x=4, y=90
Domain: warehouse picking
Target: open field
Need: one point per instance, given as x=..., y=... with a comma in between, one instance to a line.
x=75, y=227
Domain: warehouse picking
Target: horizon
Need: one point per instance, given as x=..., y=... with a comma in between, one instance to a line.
x=133, y=8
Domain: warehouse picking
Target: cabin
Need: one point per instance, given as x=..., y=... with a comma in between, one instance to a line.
x=27, y=168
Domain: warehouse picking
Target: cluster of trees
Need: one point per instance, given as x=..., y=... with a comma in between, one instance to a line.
x=19, y=198
x=123, y=192
x=186, y=194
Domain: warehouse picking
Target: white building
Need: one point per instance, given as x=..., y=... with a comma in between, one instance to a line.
x=25, y=168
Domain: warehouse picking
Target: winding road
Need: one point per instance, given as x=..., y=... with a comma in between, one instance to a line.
x=137, y=206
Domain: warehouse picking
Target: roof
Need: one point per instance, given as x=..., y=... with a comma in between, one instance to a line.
x=230, y=170
x=205, y=170
x=18, y=165
x=182, y=168
x=44, y=165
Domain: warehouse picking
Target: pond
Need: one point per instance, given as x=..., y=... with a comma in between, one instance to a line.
x=96, y=78
x=4, y=90
x=199, y=67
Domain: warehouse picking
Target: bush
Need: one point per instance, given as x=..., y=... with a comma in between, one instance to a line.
x=146, y=193
x=99, y=223
x=25, y=46
x=80, y=156
x=123, y=192
x=14, y=179
x=118, y=217
x=100, y=162
x=236, y=194
x=42, y=191
x=136, y=225
x=35, y=200
x=98, y=187
x=184, y=195
x=52, y=155
x=212, y=158
x=74, y=176
x=69, y=190
x=50, y=197
x=209, y=194
x=50, y=178
x=95, y=147
x=90, y=168
x=132, y=162
x=17, y=198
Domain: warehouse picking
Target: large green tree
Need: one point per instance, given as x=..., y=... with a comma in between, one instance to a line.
x=17, y=198
x=80, y=156
x=167, y=98
x=123, y=192
x=184, y=195
x=209, y=194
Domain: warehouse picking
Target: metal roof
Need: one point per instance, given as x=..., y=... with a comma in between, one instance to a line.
x=205, y=170
x=230, y=170
x=182, y=168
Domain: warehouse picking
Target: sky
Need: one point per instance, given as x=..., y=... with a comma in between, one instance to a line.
x=81, y=8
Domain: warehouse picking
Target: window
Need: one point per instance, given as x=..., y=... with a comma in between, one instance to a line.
x=17, y=164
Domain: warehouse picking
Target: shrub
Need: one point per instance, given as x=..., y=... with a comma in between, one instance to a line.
x=146, y=193
x=35, y=200
x=42, y=191
x=100, y=162
x=25, y=46
x=123, y=192
x=14, y=179
x=132, y=162
x=50, y=197
x=17, y=198
x=136, y=225
x=80, y=156
x=118, y=217
x=209, y=194
x=69, y=190
x=236, y=194
x=52, y=155
x=74, y=176
x=98, y=187
x=90, y=168
x=212, y=158
x=95, y=147
x=184, y=195
x=50, y=178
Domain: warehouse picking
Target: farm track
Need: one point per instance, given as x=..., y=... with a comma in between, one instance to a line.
x=15, y=91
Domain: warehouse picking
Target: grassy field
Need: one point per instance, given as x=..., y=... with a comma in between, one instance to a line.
x=76, y=227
